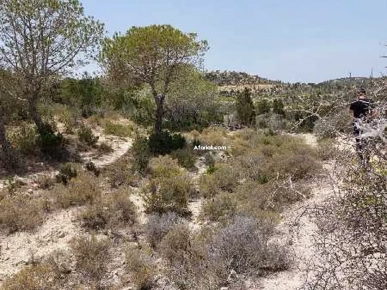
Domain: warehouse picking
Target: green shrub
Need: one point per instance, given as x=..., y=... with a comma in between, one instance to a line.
x=186, y=157
x=87, y=137
x=223, y=178
x=142, y=154
x=165, y=143
x=69, y=119
x=117, y=129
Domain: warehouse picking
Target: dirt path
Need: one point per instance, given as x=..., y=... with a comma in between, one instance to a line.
x=297, y=230
x=16, y=250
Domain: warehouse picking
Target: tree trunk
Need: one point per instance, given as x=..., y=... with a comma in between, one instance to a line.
x=159, y=113
x=7, y=152
x=35, y=116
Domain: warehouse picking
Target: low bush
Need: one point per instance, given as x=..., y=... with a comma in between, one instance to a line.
x=111, y=211
x=92, y=257
x=158, y=226
x=142, y=269
x=45, y=181
x=164, y=166
x=67, y=171
x=221, y=207
x=163, y=194
x=104, y=148
x=224, y=178
x=186, y=157
x=117, y=129
x=23, y=138
x=80, y=191
x=86, y=136
x=142, y=154
x=176, y=244
x=243, y=246
x=70, y=120
x=20, y=213
x=165, y=143
x=33, y=277
x=90, y=166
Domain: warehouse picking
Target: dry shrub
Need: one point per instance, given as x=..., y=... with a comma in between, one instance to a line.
x=80, y=191
x=111, y=211
x=104, y=148
x=23, y=138
x=243, y=246
x=159, y=225
x=186, y=157
x=295, y=166
x=163, y=194
x=33, y=277
x=141, y=267
x=221, y=207
x=176, y=244
x=164, y=166
x=19, y=213
x=45, y=181
x=92, y=257
x=327, y=149
x=120, y=173
x=214, y=136
x=224, y=178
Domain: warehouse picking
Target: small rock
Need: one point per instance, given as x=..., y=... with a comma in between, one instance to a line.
x=30, y=191
x=61, y=235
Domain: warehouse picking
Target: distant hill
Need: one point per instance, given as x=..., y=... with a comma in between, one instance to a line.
x=232, y=81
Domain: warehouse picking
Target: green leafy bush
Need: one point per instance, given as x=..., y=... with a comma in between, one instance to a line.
x=165, y=143
x=142, y=154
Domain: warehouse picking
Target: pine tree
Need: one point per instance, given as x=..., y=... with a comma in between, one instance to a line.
x=245, y=108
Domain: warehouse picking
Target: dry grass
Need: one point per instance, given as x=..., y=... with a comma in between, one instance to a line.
x=111, y=211
x=92, y=257
x=80, y=191
x=20, y=213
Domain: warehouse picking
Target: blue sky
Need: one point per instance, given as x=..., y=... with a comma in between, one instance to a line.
x=288, y=40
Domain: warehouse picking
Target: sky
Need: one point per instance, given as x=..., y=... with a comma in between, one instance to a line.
x=287, y=40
